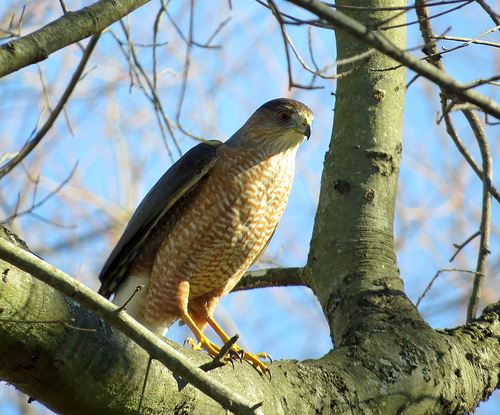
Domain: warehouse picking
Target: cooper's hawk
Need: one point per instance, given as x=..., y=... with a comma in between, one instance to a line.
x=205, y=222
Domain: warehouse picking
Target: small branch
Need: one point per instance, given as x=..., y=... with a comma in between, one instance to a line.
x=485, y=225
x=461, y=246
x=218, y=361
x=286, y=42
x=435, y=59
x=66, y=30
x=434, y=278
x=154, y=345
x=36, y=204
x=31, y=144
x=467, y=40
x=124, y=305
x=376, y=40
x=274, y=277
x=150, y=92
x=487, y=8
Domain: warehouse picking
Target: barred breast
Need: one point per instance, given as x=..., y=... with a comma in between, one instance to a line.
x=223, y=230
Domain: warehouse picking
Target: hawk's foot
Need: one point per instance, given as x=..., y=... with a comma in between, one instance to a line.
x=203, y=344
x=253, y=359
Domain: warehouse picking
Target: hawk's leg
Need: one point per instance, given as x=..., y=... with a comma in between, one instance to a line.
x=203, y=341
x=253, y=359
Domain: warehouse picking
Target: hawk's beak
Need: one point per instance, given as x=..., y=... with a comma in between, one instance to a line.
x=307, y=131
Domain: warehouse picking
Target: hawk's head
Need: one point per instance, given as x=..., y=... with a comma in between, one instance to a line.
x=282, y=122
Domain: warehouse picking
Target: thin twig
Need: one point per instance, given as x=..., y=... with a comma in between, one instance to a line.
x=152, y=94
x=220, y=359
x=465, y=44
x=32, y=143
x=124, y=305
x=376, y=40
x=485, y=225
x=435, y=59
x=286, y=41
x=36, y=204
x=434, y=278
x=392, y=8
x=461, y=246
x=428, y=17
x=466, y=40
x=487, y=8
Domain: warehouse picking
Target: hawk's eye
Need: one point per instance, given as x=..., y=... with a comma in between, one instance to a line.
x=284, y=116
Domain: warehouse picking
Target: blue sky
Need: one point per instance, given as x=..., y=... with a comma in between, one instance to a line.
x=114, y=126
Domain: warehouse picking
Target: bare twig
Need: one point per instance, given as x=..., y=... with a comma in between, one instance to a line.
x=151, y=93
x=393, y=8
x=219, y=360
x=381, y=43
x=36, y=204
x=435, y=59
x=434, y=278
x=124, y=305
x=154, y=345
x=466, y=40
x=461, y=246
x=466, y=43
x=487, y=8
x=286, y=41
x=321, y=73
x=428, y=17
x=485, y=225
x=33, y=142
x=62, y=32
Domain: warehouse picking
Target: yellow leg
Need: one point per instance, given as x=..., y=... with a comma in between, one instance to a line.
x=253, y=359
x=203, y=340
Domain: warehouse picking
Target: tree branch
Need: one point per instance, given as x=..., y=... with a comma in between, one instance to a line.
x=32, y=143
x=414, y=366
x=376, y=40
x=68, y=29
x=274, y=277
x=155, y=346
x=485, y=225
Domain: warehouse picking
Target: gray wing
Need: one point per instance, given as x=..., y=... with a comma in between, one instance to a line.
x=179, y=179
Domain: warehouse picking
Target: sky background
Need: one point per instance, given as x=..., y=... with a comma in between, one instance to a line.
x=111, y=134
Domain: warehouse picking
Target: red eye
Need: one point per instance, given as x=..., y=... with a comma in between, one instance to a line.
x=283, y=116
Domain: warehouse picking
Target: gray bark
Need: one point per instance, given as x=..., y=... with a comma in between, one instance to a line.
x=68, y=29
x=387, y=359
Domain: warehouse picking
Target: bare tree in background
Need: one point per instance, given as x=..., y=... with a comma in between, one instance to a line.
x=82, y=128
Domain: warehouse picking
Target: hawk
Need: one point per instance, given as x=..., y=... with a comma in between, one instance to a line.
x=205, y=222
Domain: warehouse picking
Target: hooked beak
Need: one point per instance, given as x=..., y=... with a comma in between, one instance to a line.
x=307, y=131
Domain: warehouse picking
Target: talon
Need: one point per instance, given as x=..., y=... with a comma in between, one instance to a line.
x=194, y=345
x=264, y=356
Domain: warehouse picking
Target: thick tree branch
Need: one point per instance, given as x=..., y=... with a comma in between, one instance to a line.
x=68, y=29
x=378, y=41
x=151, y=343
x=62, y=365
